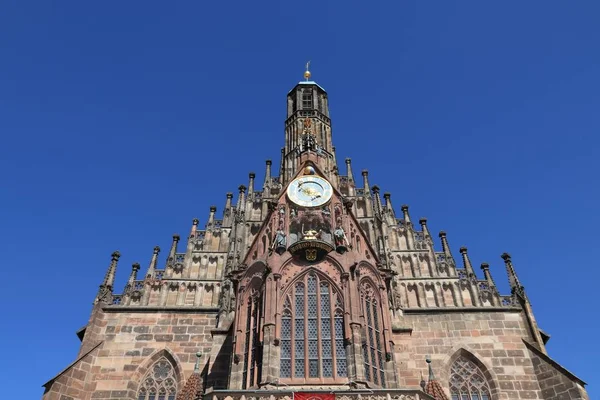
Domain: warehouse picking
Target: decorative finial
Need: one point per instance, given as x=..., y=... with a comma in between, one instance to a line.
x=428, y=361
x=197, y=366
x=307, y=72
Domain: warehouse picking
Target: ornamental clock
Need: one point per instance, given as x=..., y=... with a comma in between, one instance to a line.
x=309, y=191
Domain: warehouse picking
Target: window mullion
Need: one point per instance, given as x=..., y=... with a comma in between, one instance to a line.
x=293, y=337
x=250, y=377
x=306, y=362
x=319, y=335
x=333, y=333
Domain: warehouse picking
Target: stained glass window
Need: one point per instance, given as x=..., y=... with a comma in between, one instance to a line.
x=286, y=340
x=373, y=348
x=467, y=381
x=252, y=345
x=159, y=382
x=312, y=332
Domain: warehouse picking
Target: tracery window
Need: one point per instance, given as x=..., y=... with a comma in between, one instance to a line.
x=467, y=381
x=373, y=345
x=252, y=345
x=312, y=332
x=159, y=383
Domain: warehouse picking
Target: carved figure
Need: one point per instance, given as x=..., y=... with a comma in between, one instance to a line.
x=280, y=239
x=341, y=241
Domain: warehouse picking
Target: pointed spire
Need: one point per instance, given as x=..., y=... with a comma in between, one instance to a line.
x=485, y=267
x=467, y=262
x=404, y=209
x=433, y=387
x=153, y=261
x=367, y=188
x=423, y=222
x=251, y=177
x=387, y=196
x=377, y=199
x=349, y=170
x=106, y=288
x=109, y=278
x=135, y=267
x=241, y=198
x=195, y=223
x=173, y=249
x=228, y=201
x=513, y=280
x=211, y=215
x=267, y=173
x=445, y=245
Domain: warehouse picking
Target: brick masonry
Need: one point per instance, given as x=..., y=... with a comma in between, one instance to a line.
x=132, y=342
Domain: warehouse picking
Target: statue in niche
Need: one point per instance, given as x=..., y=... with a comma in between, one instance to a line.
x=341, y=241
x=226, y=304
x=339, y=235
x=280, y=242
x=279, y=245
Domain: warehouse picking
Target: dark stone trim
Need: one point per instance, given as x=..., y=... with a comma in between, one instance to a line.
x=47, y=384
x=550, y=361
x=437, y=310
x=402, y=329
x=141, y=309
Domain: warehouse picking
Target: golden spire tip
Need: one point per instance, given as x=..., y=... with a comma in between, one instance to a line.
x=307, y=72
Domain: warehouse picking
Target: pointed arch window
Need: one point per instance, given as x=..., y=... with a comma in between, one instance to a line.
x=373, y=345
x=312, y=332
x=467, y=381
x=252, y=345
x=159, y=382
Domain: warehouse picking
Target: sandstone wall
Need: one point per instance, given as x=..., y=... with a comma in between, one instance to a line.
x=492, y=339
x=133, y=341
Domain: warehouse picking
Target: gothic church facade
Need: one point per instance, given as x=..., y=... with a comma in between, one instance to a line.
x=312, y=285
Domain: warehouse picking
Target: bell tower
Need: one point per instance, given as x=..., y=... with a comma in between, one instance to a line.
x=307, y=128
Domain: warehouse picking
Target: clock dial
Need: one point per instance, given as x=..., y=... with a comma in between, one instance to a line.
x=309, y=191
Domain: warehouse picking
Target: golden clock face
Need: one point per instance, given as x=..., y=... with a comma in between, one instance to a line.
x=309, y=191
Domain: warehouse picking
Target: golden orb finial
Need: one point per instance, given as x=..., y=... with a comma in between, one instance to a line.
x=307, y=72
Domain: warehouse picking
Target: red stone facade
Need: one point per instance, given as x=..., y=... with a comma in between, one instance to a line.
x=339, y=295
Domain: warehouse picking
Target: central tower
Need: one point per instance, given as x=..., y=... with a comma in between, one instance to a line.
x=307, y=128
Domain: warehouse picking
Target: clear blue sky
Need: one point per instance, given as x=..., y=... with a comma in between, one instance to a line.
x=122, y=121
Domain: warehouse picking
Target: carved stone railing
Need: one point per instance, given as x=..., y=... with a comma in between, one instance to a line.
x=344, y=394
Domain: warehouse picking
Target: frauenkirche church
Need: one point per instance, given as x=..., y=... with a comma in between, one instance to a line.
x=311, y=287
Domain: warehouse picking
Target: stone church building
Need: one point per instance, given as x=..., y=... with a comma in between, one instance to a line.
x=310, y=285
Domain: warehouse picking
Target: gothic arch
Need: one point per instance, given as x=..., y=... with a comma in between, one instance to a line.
x=291, y=270
x=463, y=350
x=135, y=381
x=257, y=267
x=322, y=276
